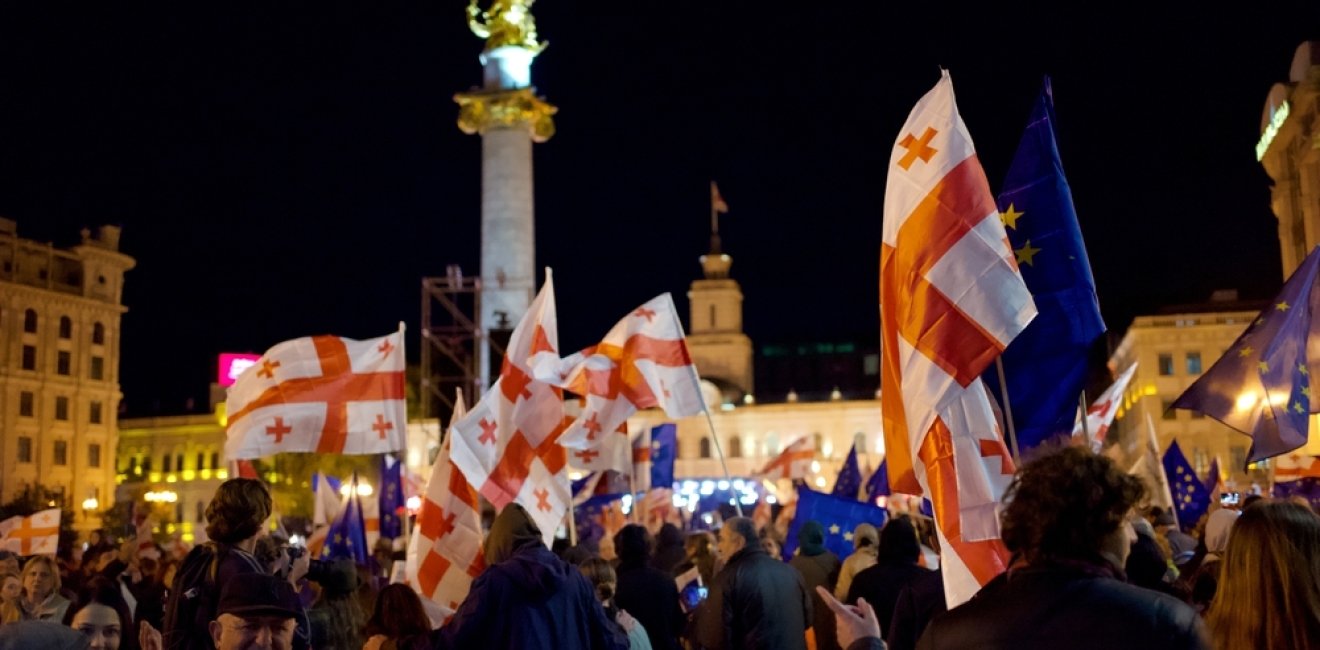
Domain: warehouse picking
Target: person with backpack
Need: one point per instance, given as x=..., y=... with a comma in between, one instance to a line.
x=235, y=518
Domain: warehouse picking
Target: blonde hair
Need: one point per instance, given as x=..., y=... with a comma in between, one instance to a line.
x=50, y=566
x=1269, y=581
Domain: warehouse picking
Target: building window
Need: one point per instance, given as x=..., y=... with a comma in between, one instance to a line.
x=66, y=327
x=26, y=404
x=201, y=511
x=1239, y=455
x=63, y=363
x=215, y=460
x=712, y=316
x=61, y=452
x=178, y=511
x=61, y=408
x=30, y=321
x=94, y=415
x=201, y=461
x=1166, y=365
x=29, y=357
x=178, y=463
x=93, y=455
x=98, y=334
x=1193, y=363
x=705, y=448
x=735, y=447
x=1167, y=411
x=165, y=463
x=1200, y=460
x=98, y=368
x=24, y=449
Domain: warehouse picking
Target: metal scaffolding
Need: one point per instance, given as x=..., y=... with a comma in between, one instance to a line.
x=454, y=343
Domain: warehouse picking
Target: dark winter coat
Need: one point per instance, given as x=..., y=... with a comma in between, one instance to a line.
x=820, y=570
x=919, y=602
x=1060, y=606
x=651, y=597
x=527, y=598
x=755, y=602
x=881, y=584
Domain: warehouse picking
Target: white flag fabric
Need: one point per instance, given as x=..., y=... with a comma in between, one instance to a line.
x=642, y=362
x=951, y=300
x=508, y=444
x=323, y=394
x=1150, y=469
x=444, y=554
x=793, y=462
x=326, y=501
x=1100, y=415
x=38, y=534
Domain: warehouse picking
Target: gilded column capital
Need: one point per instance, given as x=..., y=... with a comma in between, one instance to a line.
x=480, y=111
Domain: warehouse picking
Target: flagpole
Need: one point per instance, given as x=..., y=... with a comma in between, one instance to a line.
x=572, y=524
x=632, y=491
x=1008, y=412
x=719, y=451
x=1086, y=427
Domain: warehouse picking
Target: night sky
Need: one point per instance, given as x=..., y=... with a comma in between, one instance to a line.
x=280, y=173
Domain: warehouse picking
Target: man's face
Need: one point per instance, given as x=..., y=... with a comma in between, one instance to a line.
x=730, y=543
x=231, y=632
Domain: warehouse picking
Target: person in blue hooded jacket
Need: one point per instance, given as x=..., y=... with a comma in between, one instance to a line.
x=526, y=598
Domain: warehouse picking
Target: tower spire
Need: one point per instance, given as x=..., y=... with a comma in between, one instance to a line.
x=716, y=264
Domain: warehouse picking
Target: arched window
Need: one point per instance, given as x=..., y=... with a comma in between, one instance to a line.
x=735, y=447
x=66, y=327
x=30, y=321
x=201, y=511
x=201, y=460
x=98, y=334
x=165, y=464
x=705, y=447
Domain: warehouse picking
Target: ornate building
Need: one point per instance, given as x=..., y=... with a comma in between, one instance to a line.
x=1289, y=149
x=60, y=313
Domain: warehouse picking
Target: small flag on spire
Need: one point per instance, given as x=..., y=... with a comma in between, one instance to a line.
x=716, y=201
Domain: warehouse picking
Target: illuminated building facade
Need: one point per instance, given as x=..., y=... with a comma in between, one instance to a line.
x=1171, y=351
x=60, y=316
x=1289, y=149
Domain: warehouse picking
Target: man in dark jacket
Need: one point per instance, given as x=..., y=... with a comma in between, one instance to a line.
x=526, y=598
x=1066, y=524
x=645, y=592
x=819, y=568
x=895, y=566
x=756, y=601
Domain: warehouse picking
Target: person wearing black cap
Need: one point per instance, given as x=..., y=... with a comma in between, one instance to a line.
x=255, y=612
x=526, y=598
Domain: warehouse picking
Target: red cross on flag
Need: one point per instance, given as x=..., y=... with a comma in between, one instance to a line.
x=793, y=462
x=35, y=535
x=508, y=444
x=444, y=554
x=1294, y=466
x=951, y=300
x=642, y=362
x=323, y=394
x=1102, y=411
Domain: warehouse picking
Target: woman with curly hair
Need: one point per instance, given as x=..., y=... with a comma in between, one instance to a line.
x=1269, y=581
x=1065, y=523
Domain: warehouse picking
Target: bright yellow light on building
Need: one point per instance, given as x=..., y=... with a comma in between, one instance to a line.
x=222, y=474
x=206, y=474
x=1246, y=401
x=221, y=415
x=154, y=477
x=189, y=475
x=171, y=479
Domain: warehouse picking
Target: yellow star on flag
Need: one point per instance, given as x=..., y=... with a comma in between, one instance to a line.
x=1026, y=253
x=1264, y=366
x=1282, y=306
x=1010, y=217
x=1245, y=352
x=848, y=536
x=834, y=529
x=1301, y=367
x=1305, y=391
x=1297, y=407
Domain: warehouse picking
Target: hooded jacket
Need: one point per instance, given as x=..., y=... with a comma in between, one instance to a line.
x=526, y=598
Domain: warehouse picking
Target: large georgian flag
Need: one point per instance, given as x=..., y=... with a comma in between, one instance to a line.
x=35, y=535
x=323, y=394
x=793, y=462
x=444, y=554
x=508, y=444
x=951, y=300
x=642, y=362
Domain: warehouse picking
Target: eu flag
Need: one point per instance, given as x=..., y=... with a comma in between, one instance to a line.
x=391, y=496
x=1189, y=494
x=850, y=477
x=1046, y=365
x=838, y=515
x=664, y=440
x=1261, y=386
x=878, y=484
x=1307, y=487
x=347, y=536
x=1212, y=477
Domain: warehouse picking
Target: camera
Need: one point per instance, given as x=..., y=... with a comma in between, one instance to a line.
x=316, y=569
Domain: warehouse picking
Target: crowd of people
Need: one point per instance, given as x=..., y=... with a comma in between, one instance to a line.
x=1090, y=567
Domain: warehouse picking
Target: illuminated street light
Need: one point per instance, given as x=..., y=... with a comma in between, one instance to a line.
x=89, y=504
x=363, y=489
x=166, y=496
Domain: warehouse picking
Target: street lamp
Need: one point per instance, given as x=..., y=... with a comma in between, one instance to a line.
x=90, y=504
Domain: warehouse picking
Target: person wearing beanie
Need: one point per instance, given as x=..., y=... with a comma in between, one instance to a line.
x=819, y=568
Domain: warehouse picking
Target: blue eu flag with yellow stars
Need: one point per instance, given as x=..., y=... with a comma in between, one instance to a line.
x=391, y=497
x=664, y=440
x=1046, y=365
x=347, y=536
x=878, y=484
x=1189, y=494
x=850, y=477
x=838, y=515
x=1261, y=386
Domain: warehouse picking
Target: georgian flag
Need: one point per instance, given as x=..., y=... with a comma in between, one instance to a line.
x=951, y=300
x=1101, y=413
x=35, y=535
x=793, y=462
x=323, y=394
